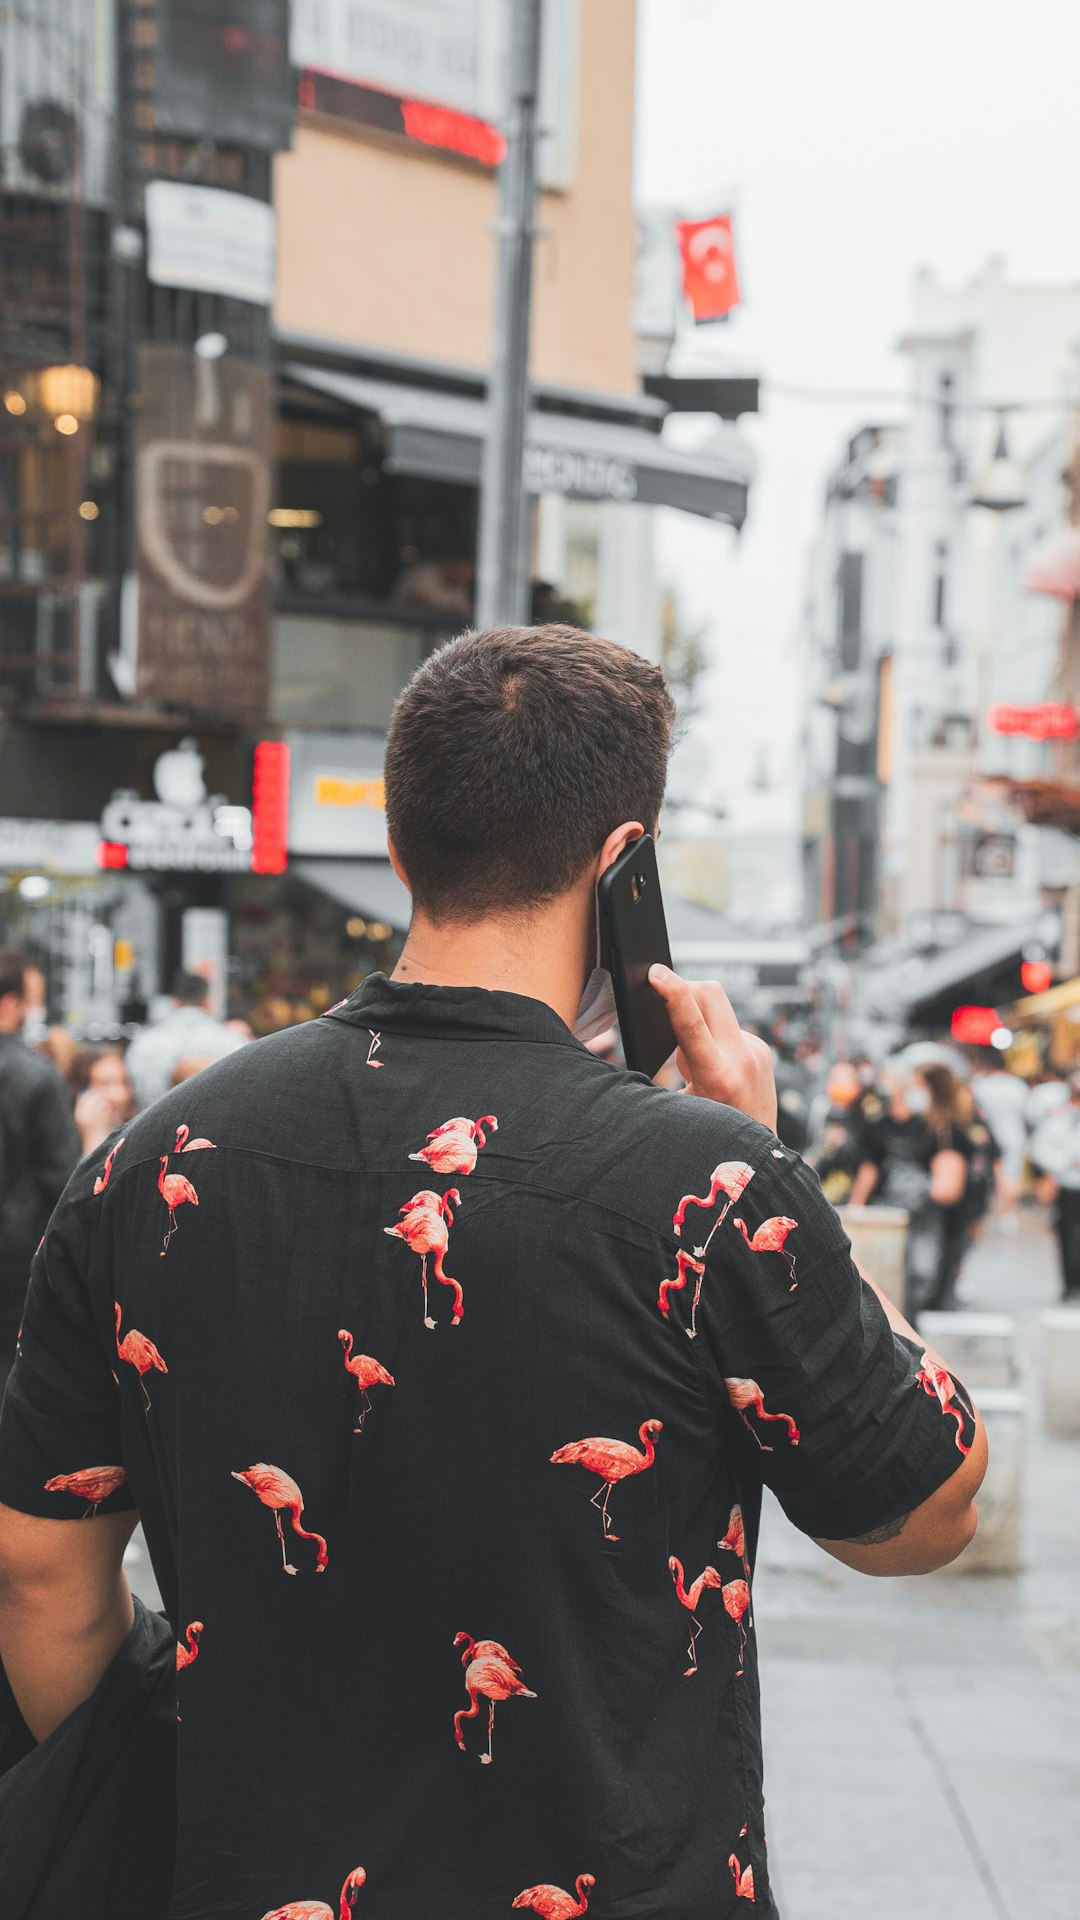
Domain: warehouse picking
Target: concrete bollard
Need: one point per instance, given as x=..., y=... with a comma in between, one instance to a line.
x=980, y=1348
x=1061, y=1370
x=996, y=1546
x=878, y=1237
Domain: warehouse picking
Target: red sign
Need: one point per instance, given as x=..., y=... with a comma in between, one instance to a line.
x=111, y=854
x=1047, y=721
x=710, y=276
x=453, y=132
x=270, y=808
x=1036, y=975
x=973, y=1026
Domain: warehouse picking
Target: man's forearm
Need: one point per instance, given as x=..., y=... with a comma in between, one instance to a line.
x=53, y=1661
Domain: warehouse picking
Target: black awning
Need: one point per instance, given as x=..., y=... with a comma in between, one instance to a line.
x=440, y=436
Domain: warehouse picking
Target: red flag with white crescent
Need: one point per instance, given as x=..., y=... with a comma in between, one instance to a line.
x=710, y=275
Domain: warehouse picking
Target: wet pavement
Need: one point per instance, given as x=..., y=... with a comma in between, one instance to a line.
x=922, y=1736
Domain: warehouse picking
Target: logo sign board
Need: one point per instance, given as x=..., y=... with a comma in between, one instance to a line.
x=185, y=829
x=588, y=476
x=336, y=794
x=210, y=240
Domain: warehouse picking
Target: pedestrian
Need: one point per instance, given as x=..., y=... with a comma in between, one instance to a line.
x=839, y=1134
x=38, y=1149
x=1055, y=1154
x=189, y=1031
x=914, y=1158
x=1002, y=1098
x=454, y=1522
x=100, y=1087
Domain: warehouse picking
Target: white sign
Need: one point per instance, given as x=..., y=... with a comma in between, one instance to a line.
x=185, y=829
x=450, y=52
x=49, y=846
x=210, y=240
x=336, y=795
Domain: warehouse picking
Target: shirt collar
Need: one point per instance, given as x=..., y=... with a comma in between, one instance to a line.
x=452, y=1013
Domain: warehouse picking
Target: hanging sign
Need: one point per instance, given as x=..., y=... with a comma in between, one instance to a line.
x=1049, y=720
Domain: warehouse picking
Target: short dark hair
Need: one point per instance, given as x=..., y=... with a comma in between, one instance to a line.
x=14, y=967
x=190, y=989
x=512, y=754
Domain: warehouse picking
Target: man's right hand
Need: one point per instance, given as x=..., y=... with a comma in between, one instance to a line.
x=716, y=1058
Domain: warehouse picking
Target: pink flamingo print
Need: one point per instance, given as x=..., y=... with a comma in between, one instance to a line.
x=746, y=1395
x=942, y=1387
x=769, y=1238
x=731, y=1178
x=490, y=1672
x=376, y=1043
x=318, y=1909
x=735, y=1595
x=612, y=1460
x=685, y=1262
x=452, y=1148
x=140, y=1352
x=104, y=1176
x=185, y=1144
x=734, y=1540
x=690, y=1597
x=187, y=1656
x=423, y=1227
x=176, y=1191
x=366, y=1372
x=553, y=1904
x=282, y=1495
x=743, y=1877
x=89, y=1483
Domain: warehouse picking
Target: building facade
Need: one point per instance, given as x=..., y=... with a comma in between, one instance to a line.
x=244, y=391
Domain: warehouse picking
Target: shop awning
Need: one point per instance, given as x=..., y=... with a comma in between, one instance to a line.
x=1043, y=1006
x=440, y=436
x=1054, y=567
x=368, y=887
x=900, y=991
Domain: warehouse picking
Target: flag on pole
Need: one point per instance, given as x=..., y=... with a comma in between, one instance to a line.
x=710, y=276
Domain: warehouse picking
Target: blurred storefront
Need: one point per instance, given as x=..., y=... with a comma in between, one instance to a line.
x=247, y=269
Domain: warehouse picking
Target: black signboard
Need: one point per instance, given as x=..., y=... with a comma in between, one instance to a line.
x=223, y=72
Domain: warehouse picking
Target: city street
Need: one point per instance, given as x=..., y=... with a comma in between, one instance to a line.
x=920, y=1735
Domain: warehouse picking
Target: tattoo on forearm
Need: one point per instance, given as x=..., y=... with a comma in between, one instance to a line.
x=878, y=1535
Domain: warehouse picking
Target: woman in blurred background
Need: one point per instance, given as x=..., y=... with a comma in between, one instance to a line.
x=101, y=1090
x=916, y=1157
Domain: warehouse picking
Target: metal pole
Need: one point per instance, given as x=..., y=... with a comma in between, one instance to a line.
x=502, y=591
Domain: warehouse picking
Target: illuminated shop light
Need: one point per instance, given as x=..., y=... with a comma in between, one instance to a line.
x=66, y=423
x=111, y=854
x=88, y=509
x=294, y=517
x=14, y=401
x=270, y=808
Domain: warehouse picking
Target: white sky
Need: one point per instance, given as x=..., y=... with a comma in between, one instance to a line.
x=860, y=141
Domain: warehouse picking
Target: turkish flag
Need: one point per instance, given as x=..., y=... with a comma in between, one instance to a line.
x=710, y=277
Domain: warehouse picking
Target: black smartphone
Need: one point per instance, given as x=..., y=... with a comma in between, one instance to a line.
x=633, y=937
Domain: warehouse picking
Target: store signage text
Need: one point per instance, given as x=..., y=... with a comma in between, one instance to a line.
x=339, y=790
x=588, y=475
x=1050, y=720
x=185, y=829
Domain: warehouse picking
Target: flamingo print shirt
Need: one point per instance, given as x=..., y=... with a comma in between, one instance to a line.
x=445, y=1364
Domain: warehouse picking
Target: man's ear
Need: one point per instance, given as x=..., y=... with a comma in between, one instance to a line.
x=616, y=842
x=396, y=863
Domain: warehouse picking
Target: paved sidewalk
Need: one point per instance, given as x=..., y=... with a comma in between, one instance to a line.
x=922, y=1737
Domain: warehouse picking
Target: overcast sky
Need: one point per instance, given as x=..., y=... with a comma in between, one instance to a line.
x=859, y=142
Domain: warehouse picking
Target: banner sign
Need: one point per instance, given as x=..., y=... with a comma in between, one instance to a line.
x=202, y=495
x=1047, y=721
x=211, y=240
x=710, y=276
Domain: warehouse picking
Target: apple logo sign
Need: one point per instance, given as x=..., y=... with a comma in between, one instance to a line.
x=178, y=776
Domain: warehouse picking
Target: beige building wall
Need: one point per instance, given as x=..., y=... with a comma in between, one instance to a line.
x=392, y=247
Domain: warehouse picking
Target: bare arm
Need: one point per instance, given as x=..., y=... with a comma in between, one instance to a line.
x=65, y=1609
x=865, y=1183
x=938, y=1530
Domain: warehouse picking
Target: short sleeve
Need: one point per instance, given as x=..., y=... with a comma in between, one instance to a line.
x=848, y=1423
x=60, y=1454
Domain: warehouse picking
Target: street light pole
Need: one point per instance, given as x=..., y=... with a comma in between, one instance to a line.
x=502, y=591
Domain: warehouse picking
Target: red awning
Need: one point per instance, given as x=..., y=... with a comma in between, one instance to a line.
x=1054, y=566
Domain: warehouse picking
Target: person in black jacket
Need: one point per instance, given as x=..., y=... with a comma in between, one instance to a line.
x=38, y=1149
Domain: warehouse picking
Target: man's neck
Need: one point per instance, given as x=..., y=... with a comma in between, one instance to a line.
x=545, y=955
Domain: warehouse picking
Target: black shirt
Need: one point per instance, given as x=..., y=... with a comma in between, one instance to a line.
x=427, y=1548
